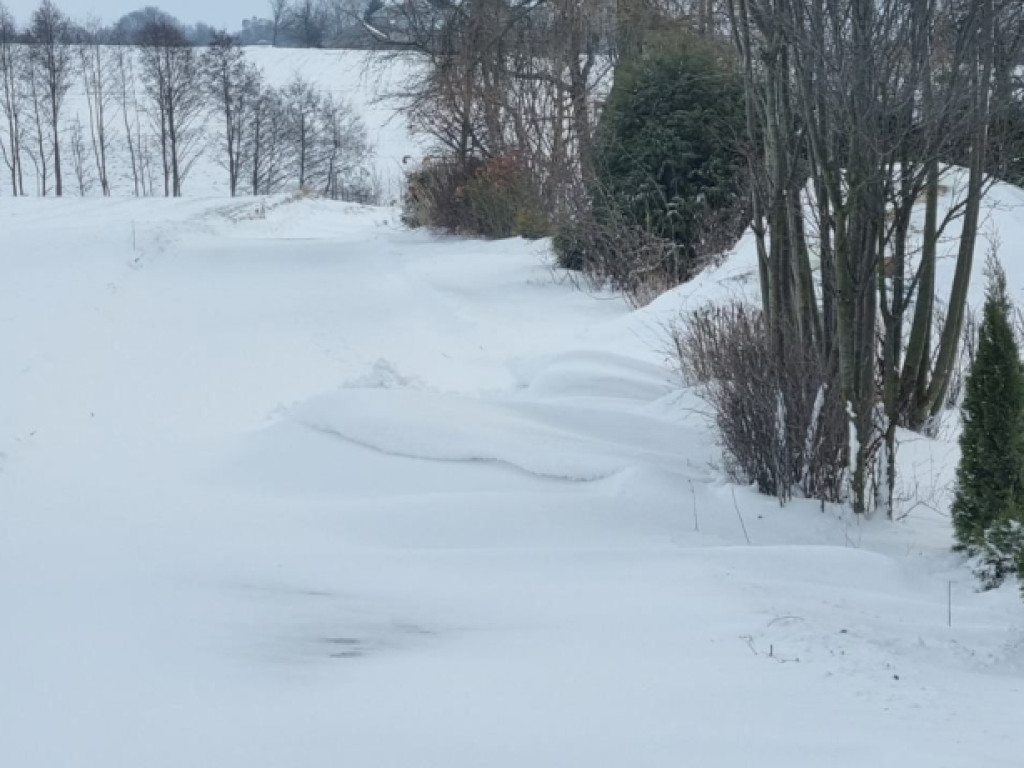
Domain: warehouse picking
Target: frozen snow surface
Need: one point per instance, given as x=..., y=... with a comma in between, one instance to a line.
x=312, y=490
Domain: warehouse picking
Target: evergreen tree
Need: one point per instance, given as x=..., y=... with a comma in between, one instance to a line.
x=989, y=504
x=1020, y=570
x=668, y=159
x=667, y=153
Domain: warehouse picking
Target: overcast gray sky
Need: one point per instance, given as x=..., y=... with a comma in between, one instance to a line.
x=219, y=13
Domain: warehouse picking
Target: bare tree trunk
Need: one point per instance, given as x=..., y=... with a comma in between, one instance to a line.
x=96, y=79
x=950, y=339
x=12, y=66
x=58, y=175
x=129, y=106
x=739, y=17
x=39, y=128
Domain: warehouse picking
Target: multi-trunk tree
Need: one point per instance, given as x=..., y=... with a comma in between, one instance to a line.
x=514, y=79
x=855, y=108
x=97, y=72
x=176, y=101
x=278, y=17
x=51, y=58
x=128, y=102
x=232, y=87
x=12, y=99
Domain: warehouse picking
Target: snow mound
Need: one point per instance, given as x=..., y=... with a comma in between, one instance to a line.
x=593, y=374
x=443, y=427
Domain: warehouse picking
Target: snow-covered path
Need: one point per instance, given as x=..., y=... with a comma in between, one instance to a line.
x=314, y=491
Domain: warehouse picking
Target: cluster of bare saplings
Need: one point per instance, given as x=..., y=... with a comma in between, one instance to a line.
x=83, y=116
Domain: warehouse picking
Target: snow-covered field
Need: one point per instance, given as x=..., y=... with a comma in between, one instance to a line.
x=316, y=491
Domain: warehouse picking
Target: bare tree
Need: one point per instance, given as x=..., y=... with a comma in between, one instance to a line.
x=39, y=148
x=342, y=22
x=79, y=162
x=12, y=98
x=127, y=98
x=266, y=140
x=51, y=56
x=306, y=20
x=503, y=78
x=100, y=93
x=278, y=16
x=172, y=83
x=345, y=150
x=302, y=103
x=231, y=86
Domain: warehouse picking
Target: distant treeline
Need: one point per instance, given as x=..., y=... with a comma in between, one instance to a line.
x=296, y=24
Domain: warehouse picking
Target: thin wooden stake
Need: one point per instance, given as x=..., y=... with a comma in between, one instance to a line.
x=740, y=516
x=696, y=521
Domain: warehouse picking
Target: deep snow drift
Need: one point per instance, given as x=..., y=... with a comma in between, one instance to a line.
x=316, y=491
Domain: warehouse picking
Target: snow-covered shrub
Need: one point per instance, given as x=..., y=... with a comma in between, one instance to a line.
x=612, y=252
x=492, y=198
x=778, y=428
x=1001, y=553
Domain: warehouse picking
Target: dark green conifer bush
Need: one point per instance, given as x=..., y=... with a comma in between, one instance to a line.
x=988, y=510
x=669, y=187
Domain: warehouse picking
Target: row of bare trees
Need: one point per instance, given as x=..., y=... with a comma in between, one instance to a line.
x=148, y=112
x=35, y=80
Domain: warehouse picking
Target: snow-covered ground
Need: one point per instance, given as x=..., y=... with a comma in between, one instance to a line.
x=311, y=490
